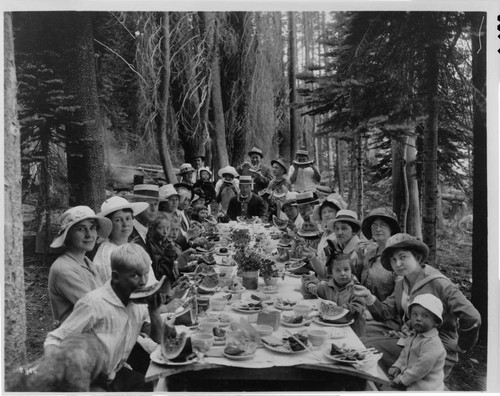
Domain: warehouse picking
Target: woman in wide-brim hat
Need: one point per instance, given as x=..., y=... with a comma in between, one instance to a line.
x=276, y=190
x=323, y=215
x=73, y=274
x=378, y=227
x=406, y=256
x=227, y=186
x=121, y=213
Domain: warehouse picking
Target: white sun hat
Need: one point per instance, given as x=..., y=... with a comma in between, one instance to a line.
x=116, y=203
x=74, y=215
x=429, y=302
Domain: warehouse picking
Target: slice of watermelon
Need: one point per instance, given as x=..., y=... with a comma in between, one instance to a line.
x=279, y=223
x=141, y=296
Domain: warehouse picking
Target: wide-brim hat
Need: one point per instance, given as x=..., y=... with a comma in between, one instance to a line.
x=280, y=162
x=334, y=199
x=429, y=302
x=385, y=214
x=186, y=168
x=167, y=191
x=255, y=150
x=309, y=230
x=228, y=169
x=144, y=191
x=402, y=241
x=116, y=203
x=73, y=216
x=348, y=216
x=307, y=197
x=206, y=169
x=186, y=186
x=244, y=179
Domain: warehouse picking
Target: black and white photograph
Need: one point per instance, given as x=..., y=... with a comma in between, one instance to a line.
x=210, y=197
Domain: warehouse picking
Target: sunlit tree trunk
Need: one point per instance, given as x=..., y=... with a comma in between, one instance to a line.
x=292, y=60
x=360, y=172
x=399, y=184
x=162, y=124
x=14, y=351
x=413, y=219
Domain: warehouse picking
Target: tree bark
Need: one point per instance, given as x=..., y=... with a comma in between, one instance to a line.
x=339, y=168
x=399, y=187
x=15, y=304
x=360, y=168
x=162, y=125
x=84, y=137
x=218, y=110
x=413, y=222
x=430, y=143
x=292, y=60
x=479, y=292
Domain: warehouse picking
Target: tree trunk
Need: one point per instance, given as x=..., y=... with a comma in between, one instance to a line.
x=218, y=110
x=84, y=137
x=339, y=168
x=162, y=124
x=479, y=292
x=413, y=222
x=292, y=59
x=399, y=185
x=430, y=143
x=360, y=168
x=15, y=305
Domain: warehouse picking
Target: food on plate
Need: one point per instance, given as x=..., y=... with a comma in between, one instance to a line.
x=207, y=258
x=204, y=245
x=174, y=346
x=249, y=306
x=286, y=240
x=209, y=284
x=292, y=319
x=347, y=354
x=141, y=296
x=204, y=270
x=279, y=223
x=285, y=302
x=239, y=347
x=290, y=344
x=219, y=334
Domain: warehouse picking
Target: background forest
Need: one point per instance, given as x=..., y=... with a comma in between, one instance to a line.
x=390, y=104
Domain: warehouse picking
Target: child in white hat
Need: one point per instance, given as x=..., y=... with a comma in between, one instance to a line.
x=420, y=367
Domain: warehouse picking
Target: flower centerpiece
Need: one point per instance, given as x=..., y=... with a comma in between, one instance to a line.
x=248, y=262
x=240, y=238
x=269, y=272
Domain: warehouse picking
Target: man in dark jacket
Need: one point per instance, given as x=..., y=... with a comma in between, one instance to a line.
x=246, y=203
x=261, y=174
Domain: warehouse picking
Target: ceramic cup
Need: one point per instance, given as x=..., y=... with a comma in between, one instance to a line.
x=317, y=337
x=208, y=324
x=218, y=304
x=202, y=342
x=264, y=330
x=301, y=309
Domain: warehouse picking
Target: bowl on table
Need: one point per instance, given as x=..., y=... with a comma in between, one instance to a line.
x=317, y=337
x=218, y=303
x=208, y=324
x=202, y=342
x=301, y=309
x=264, y=330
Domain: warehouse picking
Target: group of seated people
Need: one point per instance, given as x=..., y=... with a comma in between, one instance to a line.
x=368, y=267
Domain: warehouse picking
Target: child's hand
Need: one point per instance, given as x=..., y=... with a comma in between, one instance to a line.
x=312, y=288
x=393, y=372
x=361, y=291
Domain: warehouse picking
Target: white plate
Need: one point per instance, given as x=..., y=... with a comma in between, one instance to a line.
x=269, y=289
x=238, y=357
x=282, y=349
x=226, y=289
x=203, y=250
x=220, y=343
x=279, y=305
x=343, y=361
x=319, y=321
x=157, y=358
x=237, y=307
x=286, y=324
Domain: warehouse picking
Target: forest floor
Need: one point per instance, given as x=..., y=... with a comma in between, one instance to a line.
x=453, y=255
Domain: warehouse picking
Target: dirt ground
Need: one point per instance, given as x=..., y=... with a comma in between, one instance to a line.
x=468, y=375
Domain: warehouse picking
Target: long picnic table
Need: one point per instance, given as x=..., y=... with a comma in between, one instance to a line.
x=269, y=370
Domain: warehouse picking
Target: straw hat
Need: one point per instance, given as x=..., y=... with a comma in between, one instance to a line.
x=385, y=214
x=429, y=302
x=307, y=197
x=73, y=216
x=348, y=216
x=228, y=169
x=280, y=162
x=255, y=150
x=167, y=191
x=402, y=241
x=116, y=203
x=144, y=191
x=245, y=180
x=291, y=199
x=185, y=168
